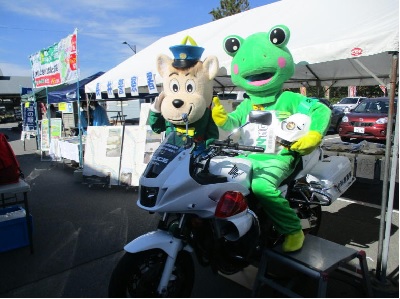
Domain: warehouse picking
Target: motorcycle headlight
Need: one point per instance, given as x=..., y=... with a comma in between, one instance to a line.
x=148, y=196
x=345, y=119
x=382, y=121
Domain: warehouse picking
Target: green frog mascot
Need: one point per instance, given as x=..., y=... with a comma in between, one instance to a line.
x=261, y=64
x=188, y=91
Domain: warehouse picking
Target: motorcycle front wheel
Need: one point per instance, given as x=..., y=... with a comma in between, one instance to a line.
x=138, y=275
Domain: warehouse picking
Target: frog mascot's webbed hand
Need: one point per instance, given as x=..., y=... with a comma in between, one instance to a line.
x=307, y=144
x=261, y=63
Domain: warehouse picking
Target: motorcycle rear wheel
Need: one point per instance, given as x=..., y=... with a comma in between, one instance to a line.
x=138, y=275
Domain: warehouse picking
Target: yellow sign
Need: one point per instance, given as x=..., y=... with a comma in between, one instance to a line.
x=62, y=106
x=27, y=105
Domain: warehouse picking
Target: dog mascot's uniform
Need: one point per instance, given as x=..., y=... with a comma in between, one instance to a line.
x=188, y=89
x=261, y=64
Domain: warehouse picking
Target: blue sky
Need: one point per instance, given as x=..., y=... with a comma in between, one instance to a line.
x=28, y=26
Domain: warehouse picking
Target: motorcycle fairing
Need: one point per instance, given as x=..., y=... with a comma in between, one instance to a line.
x=177, y=188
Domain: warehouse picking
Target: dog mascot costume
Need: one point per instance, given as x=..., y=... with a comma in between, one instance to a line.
x=188, y=89
x=261, y=64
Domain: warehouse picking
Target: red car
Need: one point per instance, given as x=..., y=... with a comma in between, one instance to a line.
x=368, y=121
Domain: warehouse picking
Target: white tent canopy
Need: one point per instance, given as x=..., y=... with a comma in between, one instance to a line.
x=333, y=42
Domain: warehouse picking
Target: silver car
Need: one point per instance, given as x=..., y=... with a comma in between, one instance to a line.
x=349, y=103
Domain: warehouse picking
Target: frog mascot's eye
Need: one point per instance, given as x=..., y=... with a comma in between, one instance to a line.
x=279, y=36
x=232, y=44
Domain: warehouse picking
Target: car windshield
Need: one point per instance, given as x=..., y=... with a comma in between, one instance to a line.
x=348, y=101
x=373, y=107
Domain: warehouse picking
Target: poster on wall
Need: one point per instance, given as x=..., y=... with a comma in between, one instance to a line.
x=103, y=152
x=55, y=132
x=152, y=140
x=132, y=165
x=120, y=153
x=140, y=143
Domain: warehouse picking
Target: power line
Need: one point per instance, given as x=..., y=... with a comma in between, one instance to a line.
x=82, y=32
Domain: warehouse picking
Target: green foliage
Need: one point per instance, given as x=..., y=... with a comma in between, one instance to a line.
x=229, y=8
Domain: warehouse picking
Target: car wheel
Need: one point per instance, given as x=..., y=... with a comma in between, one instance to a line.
x=345, y=139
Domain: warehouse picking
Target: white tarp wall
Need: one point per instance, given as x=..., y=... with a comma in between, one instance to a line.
x=327, y=37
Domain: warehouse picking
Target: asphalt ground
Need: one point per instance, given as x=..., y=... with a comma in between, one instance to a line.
x=79, y=234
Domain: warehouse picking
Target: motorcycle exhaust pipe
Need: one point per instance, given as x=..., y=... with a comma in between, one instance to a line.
x=237, y=226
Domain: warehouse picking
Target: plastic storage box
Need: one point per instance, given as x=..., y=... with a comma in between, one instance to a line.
x=13, y=228
x=334, y=174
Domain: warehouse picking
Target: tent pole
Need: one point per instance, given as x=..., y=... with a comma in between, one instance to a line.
x=79, y=124
x=385, y=250
x=122, y=112
x=48, y=113
x=79, y=107
x=369, y=72
x=35, y=108
x=381, y=269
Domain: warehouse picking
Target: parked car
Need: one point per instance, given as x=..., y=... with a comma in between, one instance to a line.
x=233, y=95
x=336, y=116
x=349, y=103
x=368, y=121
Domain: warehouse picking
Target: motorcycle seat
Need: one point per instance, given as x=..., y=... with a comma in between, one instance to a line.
x=296, y=171
x=303, y=166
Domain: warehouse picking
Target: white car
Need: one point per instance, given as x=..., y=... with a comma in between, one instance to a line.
x=233, y=95
x=349, y=103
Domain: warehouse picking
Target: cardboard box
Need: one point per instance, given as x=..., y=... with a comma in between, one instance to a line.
x=13, y=228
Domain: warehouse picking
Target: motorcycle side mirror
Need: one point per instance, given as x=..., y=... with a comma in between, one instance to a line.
x=260, y=117
x=256, y=117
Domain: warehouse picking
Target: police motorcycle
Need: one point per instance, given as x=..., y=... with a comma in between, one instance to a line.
x=207, y=209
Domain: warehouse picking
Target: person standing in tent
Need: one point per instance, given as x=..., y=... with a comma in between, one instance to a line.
x=83, y=116
x=100, y=117
x=43, y=111
x=53, y=111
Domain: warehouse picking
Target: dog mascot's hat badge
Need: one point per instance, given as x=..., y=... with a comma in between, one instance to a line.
x=185, y=56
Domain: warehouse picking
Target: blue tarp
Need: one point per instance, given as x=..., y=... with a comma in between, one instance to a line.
x=60, y=94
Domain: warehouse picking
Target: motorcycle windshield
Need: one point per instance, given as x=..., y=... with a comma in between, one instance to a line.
x=168, y=150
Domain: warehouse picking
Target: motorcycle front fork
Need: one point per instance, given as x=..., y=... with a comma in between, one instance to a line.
x=176, y=246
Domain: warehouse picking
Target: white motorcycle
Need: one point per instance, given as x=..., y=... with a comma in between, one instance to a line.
x=208, y=211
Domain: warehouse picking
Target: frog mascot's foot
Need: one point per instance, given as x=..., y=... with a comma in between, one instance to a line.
x=293, y=242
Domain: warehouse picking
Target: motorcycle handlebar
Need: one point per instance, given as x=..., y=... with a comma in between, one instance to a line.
x=257, y=149
x=236, y=146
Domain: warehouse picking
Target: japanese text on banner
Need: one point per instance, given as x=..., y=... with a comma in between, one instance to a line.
x=57, y=64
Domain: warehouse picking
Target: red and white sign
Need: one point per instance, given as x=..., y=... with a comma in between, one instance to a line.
x=356, y=52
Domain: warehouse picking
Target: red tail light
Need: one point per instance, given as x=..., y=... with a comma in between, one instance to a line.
x=230, y=203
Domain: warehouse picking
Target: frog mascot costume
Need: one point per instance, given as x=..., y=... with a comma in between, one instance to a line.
x=188, y=90
x=261, y=64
